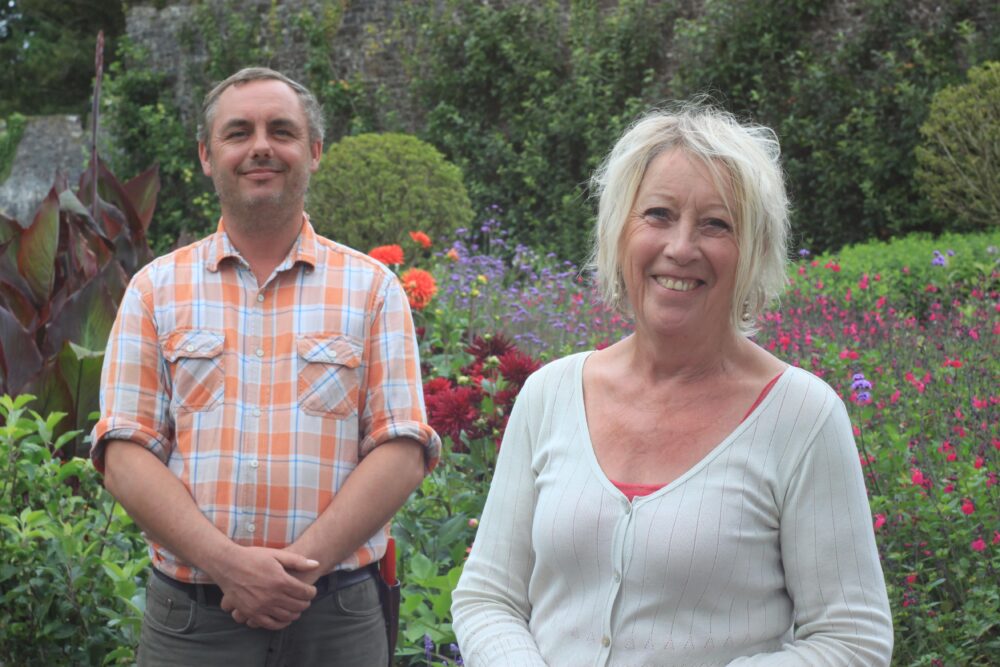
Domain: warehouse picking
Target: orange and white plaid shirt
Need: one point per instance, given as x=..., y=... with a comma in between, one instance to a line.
x=262, y=400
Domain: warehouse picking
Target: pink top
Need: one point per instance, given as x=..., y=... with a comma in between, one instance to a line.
x=633, y=490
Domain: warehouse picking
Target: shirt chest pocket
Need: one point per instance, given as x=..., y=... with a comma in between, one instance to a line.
x=194, y=358
x=329, y=369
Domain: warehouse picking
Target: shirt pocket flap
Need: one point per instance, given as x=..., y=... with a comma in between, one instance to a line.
x=193, y=344
x=329, y=350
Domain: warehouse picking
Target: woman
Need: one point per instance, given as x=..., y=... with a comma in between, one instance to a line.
x=682, y=497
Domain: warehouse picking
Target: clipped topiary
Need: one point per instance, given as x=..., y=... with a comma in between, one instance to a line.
x=373, y=189
x=959, y=161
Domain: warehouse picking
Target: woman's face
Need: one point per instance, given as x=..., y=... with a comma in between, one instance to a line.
x=679, y=251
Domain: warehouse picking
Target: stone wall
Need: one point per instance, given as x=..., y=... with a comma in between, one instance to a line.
x=357, y=49
x=50, y=145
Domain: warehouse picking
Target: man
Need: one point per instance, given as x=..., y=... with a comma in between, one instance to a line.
x=262, y=413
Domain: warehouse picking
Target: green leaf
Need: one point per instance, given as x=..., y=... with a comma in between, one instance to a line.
x=37, y=254
x=422, y=567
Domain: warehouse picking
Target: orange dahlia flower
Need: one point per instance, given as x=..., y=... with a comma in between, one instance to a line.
x=421, y=238
x=387, y=254
x=419, y=286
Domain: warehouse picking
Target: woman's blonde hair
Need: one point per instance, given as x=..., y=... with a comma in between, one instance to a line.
x=745, y=155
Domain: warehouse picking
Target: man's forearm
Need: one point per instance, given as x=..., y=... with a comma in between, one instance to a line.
x=372, y=493
x=162, y=506
x=265, y=585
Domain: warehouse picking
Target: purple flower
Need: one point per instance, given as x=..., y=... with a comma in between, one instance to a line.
x=803, y=253
x=938, y=260
x=428, y=647
x=864, y=398
x=861, y=384
x=950, y=252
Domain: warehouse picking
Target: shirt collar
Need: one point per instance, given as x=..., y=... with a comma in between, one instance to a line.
x=304, y=249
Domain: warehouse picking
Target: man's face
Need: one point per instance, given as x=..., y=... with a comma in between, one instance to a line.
x=259, y=154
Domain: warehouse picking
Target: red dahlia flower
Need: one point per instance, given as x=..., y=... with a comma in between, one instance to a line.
x=419, y=286
x=421, y=239
x=387, y=254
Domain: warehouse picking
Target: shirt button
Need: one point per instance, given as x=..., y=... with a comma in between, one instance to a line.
x=251, y=528
x=628, y=508
x=189, y=348
x=618, y=577
x=260, y=352
x=255, y=463
x=605, y=641
x=260, y=297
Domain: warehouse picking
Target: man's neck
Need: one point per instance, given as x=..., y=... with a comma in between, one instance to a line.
x=263, y=246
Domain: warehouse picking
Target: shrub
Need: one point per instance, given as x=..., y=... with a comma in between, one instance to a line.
x=374, y=188
x=959, y=161
x=71, y=560
x=846, y=93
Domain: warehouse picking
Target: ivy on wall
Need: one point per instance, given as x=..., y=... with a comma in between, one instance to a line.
x=10, y=137
x=527, y=97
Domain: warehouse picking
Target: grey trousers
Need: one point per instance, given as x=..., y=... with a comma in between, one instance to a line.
x=342, y=628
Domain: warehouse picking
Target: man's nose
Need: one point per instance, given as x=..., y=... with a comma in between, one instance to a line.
x=261, y=144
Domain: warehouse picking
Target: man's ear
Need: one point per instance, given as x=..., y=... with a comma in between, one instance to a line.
x=316, y=152
x=206, y=165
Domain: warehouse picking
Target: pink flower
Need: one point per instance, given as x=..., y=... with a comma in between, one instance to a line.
x=911, y=578
x=879, y=521
x=996, y=537
x=918, y=478
x=978, y=463
x=978, y=544
x=968, y=507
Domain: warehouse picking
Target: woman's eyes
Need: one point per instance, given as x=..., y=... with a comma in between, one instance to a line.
x=661, y=214
x=716, y=223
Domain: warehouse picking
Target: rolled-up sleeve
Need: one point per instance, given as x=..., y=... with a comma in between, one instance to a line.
x=394, y=400
x=134, y=400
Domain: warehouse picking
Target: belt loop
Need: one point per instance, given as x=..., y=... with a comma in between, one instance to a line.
x=200, y=594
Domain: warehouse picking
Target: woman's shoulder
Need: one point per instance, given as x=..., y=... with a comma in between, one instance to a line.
x=557, y=372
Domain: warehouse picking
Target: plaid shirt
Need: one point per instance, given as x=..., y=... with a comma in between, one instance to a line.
x=262, y=400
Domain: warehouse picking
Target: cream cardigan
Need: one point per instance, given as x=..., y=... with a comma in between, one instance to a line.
x=761, y=554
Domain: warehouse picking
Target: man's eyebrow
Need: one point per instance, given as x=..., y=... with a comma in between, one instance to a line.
x=234, y=123
x=283, y=123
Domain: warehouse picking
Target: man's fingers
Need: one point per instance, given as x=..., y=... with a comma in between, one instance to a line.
x=293, y=561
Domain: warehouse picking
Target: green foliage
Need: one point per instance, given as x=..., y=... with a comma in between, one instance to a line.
x=71, y=561
x=47, y=52
x=526, y=100
x=147, y=126
x=374, y=188
x=10, y=137
x=846, y=94
x=61, y=279
x=959, y=161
